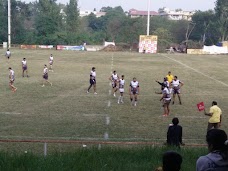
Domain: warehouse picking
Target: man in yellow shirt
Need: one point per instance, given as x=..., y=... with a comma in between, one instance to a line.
x=169, y=77
x=215, y=114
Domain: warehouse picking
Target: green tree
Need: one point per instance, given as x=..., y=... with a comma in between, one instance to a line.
x=48, y=23
x=221, y=11
x=72, y=15
x=3, y=21
x=205, y=30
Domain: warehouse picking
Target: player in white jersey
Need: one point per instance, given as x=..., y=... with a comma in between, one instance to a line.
x=114, y=78
x=12, y=79
x=176, y=86
x=45, y=76
x=92, y=80
x=24, y=67
x=166, y=99
x=51, y=61
x=8, y=54
x=121, y=89
x=134, y=91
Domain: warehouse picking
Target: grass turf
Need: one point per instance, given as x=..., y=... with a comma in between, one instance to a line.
x=65, y=111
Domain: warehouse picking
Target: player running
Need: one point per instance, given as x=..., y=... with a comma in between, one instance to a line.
x=8, y=54
x=12, y=79
x=166, y=99
x=176, y=86
x=134, y=91
x=92, y=80
x=51, y=60
x=121, y=89
x=45, y=76
x=114, y=78
x=24, y=67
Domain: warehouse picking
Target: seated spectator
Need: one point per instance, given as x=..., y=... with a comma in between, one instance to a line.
x=174, y=134
x=171, y=161
x=217, y=159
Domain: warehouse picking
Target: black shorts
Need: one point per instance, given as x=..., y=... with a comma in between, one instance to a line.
x=24, y=68
x=92, y=81
x=45, y=76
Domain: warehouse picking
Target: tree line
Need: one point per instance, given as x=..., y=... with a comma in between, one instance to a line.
x=49, y=23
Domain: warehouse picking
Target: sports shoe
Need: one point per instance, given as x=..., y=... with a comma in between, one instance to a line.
x=114, y=95
x=95, y=93
x=87, y=92
x=164, y=115
x=42, y=86
x=118, y=102
x=121, y=101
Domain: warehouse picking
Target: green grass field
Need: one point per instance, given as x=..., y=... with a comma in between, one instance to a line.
x=66, y=111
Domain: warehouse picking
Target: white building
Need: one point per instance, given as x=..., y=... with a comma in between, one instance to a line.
x=176, y=14
x=88, y=12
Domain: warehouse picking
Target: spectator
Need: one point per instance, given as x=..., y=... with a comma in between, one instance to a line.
x=174, y=134
x=217, y=159
x=171, y=161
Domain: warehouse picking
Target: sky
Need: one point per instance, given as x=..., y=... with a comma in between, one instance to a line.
x=187, y=5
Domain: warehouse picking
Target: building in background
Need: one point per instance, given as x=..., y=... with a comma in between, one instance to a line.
x=133, y=13
x=88, y=12
x=177, y=14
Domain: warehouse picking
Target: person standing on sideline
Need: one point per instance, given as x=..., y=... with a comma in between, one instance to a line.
x=8, y=54
x=12, y=79
x=174, y=134
x=92, y=80
x=51, y=61
x=121, y=89
x=45, y=76
x=24, y=67
x=176, y=86
x=217, y=159
x=169, y=77
x=114, y=78
x=134, y=91
x=166, y=99
x=215, y=114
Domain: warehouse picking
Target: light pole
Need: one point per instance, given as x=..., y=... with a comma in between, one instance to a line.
x=9, y=24
x=148, y=19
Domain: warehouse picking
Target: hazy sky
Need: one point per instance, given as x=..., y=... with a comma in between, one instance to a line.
x=142, y=4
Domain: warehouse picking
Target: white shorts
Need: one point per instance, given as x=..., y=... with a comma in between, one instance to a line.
x=121, y=90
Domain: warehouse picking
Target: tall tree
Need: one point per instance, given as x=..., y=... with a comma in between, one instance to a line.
x=72, y=16
x=48, y=22
x=221, y=10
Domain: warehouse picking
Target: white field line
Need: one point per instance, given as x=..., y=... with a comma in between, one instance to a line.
x=107, y=120
x=186, y=66
x=109, y=103
x=94, y=114
x=10, y=113
x=89, y=138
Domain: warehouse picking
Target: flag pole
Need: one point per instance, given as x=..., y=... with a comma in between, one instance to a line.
x=148, y=19
x=9, y=23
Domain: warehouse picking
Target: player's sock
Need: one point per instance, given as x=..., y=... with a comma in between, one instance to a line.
x=121, y=99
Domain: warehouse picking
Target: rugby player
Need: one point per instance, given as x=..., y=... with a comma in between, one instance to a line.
x=166, y=99
x=51, y=60
x=92, y=80
x=45, y=76
x=114, y=78
x=24, y=67
x=121, y=89
x=176, y=86
x=134, y=91
x=12, y=79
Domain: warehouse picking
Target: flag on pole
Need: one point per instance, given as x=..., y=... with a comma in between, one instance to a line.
x=200, y=106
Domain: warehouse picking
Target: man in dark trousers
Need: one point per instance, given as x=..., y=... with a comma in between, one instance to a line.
x=174, y=134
